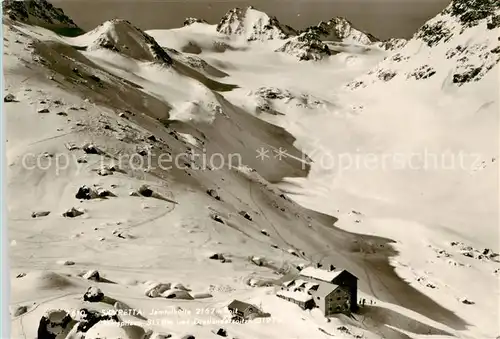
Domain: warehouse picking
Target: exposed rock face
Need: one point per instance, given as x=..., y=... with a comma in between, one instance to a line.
x=459, y=46
x=38, y=12
x=434, y=33
x=458, y=17
x=253, y=25
x=340, y=29
x=471, y=12
x=122, y=37
x=190, y=21
x=392, y=44
x=422, y=72
x=307, y=46
x=267, y=96
x=473, y=62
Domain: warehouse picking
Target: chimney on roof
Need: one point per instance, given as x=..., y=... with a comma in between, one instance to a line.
x=318, y=265
x=332, y=268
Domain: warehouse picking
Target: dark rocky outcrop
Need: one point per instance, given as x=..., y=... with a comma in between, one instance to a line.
x=470, y=12
x=307, y=46
x=145, y=191
x=9, y=98
x=422, y=72
x=72, y=213
x=213, y=193
x=190, y=21
x=40, y=13
x=435, y=33
x=40, y=214
x=93, y=294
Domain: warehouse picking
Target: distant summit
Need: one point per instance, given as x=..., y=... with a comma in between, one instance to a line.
x=122, y=37
x=342, y=30
x=40, y=13
x=253, y=25
x=190, y=21
x=307, y=46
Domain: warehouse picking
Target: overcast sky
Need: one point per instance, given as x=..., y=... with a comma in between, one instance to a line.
x=382, y=18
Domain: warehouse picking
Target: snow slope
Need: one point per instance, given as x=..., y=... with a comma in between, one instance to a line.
x=137, y=113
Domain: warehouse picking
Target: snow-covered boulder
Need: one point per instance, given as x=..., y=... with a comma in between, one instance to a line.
x=177, y=294
x=55, y=324
x=9, y=98
x=16, y=311
x=155, y=289
x=92, y=275
x=109, y=330
x=73, y=213
x=93, y=294
x=179, y=286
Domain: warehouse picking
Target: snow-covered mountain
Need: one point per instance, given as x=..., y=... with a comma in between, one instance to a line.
x=306, y=46
x=191, y=20
x=458, y=46
x=252, y=25
x=121, y=36
x=176, y=190
x=340, y=29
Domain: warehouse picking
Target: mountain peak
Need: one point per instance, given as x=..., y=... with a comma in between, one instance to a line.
x=39, y=13
x=341, y=29
x=253, y=25
x=306, y=46
x=191, y=20
x=121, y=36
x=459, y=46
x=459, y=16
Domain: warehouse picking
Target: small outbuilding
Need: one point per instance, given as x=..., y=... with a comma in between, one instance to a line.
x=303, y=300
x=242, y=311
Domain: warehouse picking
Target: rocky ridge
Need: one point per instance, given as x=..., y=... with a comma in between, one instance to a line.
x=340, y=29
x=459, y=45
x=306, y=46
x=40, y=13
